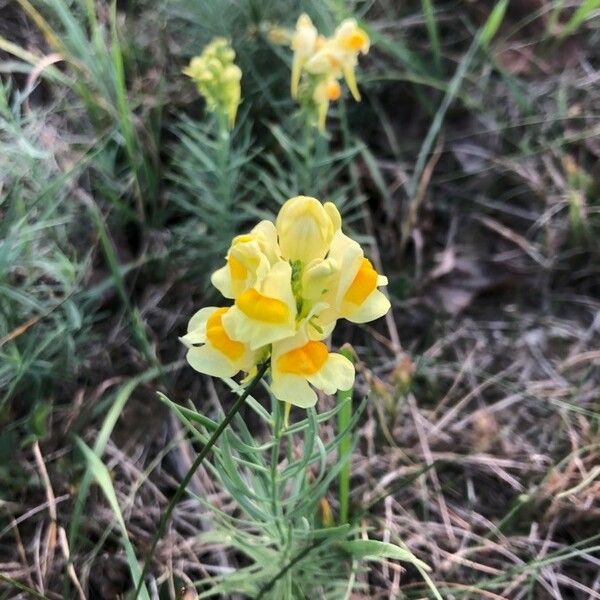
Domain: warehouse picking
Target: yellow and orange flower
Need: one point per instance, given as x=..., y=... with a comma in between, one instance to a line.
x=248, y=260
x=354, y=294
x=290, y=282
x=298, y=365
x=265, y=313
x=211, y=350
x=318, y=63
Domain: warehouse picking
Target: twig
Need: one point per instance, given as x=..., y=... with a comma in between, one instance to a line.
x=433, y=473
x=51, y=533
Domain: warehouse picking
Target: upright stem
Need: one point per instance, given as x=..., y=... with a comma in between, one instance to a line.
x=186, y=480
x=224, y=145
x=343, y=422
x=309, y=143
x=277, y=424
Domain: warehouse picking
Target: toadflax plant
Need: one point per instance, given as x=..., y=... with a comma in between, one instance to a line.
x=286, y=284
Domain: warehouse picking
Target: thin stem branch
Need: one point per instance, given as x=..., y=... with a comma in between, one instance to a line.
x=277, y=424
x=186, y=480
x=344, y=417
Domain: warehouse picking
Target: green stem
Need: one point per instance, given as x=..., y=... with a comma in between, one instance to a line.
x=224, y=152
x=344, y=417
x=277, y=425
x=309, y=143
x=186, y=480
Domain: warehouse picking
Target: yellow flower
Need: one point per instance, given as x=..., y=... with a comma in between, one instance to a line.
x=354, y=296
x=325, y=91
x=248, y=260
x=217, y=78
x=266, y=312
x=339, y=55
x=351, y=40
x=218, y=355
x=304, y=42
x=306, y=228
x=298, y=363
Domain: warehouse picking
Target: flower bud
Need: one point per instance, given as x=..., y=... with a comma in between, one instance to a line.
x=306, y=227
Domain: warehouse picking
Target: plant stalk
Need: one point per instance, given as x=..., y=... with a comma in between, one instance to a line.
x=344, y=417
x=196, y=464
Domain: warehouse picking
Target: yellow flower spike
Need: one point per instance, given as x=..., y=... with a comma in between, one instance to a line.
x=248, y=260
x=298, y=363
x=232, y=77
x=303, y=44
x=266, y=312
x=306, y=228
x=217, y=78
x=211, y=350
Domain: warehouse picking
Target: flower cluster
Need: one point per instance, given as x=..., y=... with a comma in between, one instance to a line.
x=319, y=63
x=290, y=281
x=217, y=78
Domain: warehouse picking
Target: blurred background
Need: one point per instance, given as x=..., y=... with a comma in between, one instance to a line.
x=471, y=171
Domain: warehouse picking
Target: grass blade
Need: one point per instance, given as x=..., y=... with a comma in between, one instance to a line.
x=579, y=16
x=432, y=31
x=102, y=476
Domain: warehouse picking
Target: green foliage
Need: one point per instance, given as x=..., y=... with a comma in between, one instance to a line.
x=43, y=320
x=208, y=199
x=581, y=14
x=96, y=53
x=279, y=484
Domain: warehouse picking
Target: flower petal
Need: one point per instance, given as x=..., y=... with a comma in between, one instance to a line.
x=221, y=279
x=211, y=362
x=196, y=329
x=254, y=333
x=375, y=306
x=295, y=390
x=336, y=374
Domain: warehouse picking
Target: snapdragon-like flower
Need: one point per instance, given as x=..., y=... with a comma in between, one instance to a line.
x=289, y=282
x=298, y=362
x=303, y=43
x=265, y=313
x=306, y=227
x=354, y=294
x=217, y=78
x=211, y=350
x=248, y=260
x=319, y=63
